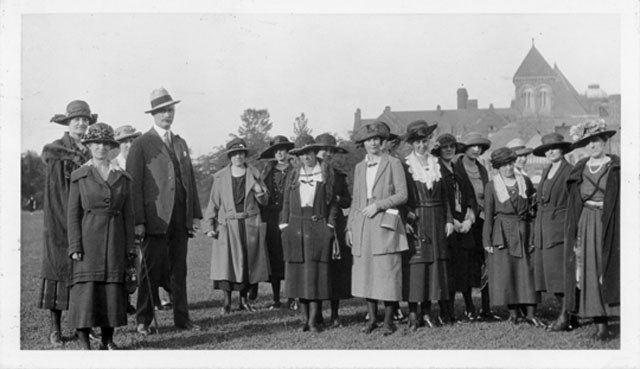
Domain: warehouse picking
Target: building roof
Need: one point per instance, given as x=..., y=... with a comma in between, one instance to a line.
x=567, y=101
x=534, y=65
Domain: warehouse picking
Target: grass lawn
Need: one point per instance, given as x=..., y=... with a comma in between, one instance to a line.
x=279, y=329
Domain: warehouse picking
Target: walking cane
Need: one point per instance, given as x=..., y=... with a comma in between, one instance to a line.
x=143, y=265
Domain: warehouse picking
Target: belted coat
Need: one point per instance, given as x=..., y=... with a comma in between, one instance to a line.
x=227, y=257
x=552, y=208
x=100, y=220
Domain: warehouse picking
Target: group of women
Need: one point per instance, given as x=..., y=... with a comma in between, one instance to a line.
x=418, y=229
x=421, y=228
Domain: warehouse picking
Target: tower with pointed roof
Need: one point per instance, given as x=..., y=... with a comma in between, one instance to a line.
x=534, y=81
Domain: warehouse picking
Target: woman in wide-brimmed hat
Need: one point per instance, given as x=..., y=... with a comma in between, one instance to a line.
x=341, y=264
x=374, y=229
x=308, y=222
x=274, y=176
x=239, y=258
x=592, y=229
x=101, y=230
x=61, y=157
x=125, y=136
x=475, y=177
x=548, y=231
x=425, y=275
x=464, y=269
x=507, y=238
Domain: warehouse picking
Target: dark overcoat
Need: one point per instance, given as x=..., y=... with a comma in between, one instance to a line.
x=153, y=173
x=454, y=182
x=341, y=268
x=296, y=237
x=227, y=257
x=610, y=233
x=552, y=208
x=61, y=157
x=458, y=168
x=100, y=220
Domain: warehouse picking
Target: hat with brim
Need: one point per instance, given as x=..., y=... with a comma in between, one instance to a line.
x=328, y=142
x=392, y=136
x=76, y=108
x=418, y=130
x=502, y=157
x=278, y=143
x=585, y=140
x=446, y=139
x=160, y=99
x=518, y=147
x=584, y=132
x=552, y=141
x=305, y=143
x=237, y=145
x=100, y=133
x=376, y=129
x=126, y=132
x=475, y=139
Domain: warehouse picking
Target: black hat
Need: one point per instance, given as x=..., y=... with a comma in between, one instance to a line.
x=329, y=142
x=444, y=140
x=582, y=133
x=278, y=143
x=100, y=133
x=371, y=130
x=235, y=145
x=418, y=130
x=304, y=143
x=76, y=108
x=502, y=157
x=552, y=141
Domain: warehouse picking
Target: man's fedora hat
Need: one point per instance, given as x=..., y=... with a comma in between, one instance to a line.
x=100, y=133
x=236, y=145
x=161, y=99
x=475, y=139
x=330, y=142
x=518, y=147
x=76, y=108
x=419, y=129
x=305, y=143
x=278, y=143
x=552, y=141
x=126, y=132
x=371, y=130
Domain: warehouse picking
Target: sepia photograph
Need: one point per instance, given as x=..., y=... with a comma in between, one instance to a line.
x=332, y=184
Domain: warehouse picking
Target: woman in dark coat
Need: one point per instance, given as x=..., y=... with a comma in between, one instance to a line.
x=308, y=222
x=239, y=257
x=274, y=176
x=342, y=261
x=475, y=177
x=464, y=266
x=100, y=220
x=507, y=237
x=548, y=232
x=592, y=229
x=61, y=157
x=427, y=277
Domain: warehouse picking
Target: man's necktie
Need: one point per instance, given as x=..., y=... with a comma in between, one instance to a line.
x=167, y=139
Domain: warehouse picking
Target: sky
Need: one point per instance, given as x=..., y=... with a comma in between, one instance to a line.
x=325, y=65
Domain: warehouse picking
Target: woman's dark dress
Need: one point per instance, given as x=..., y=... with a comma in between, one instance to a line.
x=275, y=180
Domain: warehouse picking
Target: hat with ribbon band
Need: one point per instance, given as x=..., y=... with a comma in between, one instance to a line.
x=76, y=108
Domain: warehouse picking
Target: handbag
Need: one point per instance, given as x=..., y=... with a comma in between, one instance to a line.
x=390, y=219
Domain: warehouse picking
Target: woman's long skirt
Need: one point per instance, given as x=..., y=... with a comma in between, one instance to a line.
x=425, y=281
x=97, y=304
x=308, y=279
x=511, y=279
x=274, y=246
x=549, y=269
x=243, y=287
x=54, y=295
x=589, y=265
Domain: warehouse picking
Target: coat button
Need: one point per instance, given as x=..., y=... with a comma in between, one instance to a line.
x=107, y=201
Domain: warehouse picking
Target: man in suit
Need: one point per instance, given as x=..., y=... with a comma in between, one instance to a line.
x=167, y=210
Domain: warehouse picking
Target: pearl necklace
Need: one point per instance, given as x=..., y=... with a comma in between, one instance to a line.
x=602, y=162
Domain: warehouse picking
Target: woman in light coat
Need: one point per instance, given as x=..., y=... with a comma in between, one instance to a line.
x=239, y=257
x=374, y=228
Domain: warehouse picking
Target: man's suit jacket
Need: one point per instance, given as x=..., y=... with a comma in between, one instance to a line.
x=153, y=188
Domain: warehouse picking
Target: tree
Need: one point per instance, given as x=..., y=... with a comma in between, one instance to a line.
x=255, y=127
x=300, y=126
x=32, y=177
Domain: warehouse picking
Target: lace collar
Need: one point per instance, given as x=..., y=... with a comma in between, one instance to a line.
x=427, y=175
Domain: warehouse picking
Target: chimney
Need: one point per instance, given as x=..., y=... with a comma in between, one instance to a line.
x=440, y=112
x=472, y=104
x=463, y=97
x=387, y=109
x=491, y=106
x=358, y=117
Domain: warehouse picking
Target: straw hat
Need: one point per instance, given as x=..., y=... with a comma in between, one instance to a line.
x=160, y=99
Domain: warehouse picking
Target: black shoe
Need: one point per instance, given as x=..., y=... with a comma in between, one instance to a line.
x=253, y=293
x=314, y=328
x=109, y=346
x=514, y=319
x=398, y=315
x=275, y=305
x=488, y=316
x=131, y=309
x=369, y=327
x=602, y=335
x=388, y=330
x=189, y=326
